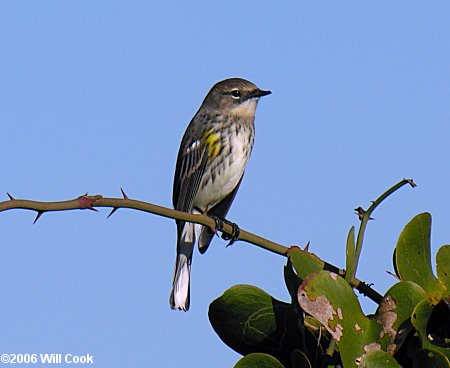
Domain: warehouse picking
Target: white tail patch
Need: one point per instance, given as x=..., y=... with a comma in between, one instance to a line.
x=179, y=298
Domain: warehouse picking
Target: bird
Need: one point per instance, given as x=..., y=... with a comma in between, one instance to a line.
x=211, y=161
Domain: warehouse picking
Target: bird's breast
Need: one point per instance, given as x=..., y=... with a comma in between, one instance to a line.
x=225, y=170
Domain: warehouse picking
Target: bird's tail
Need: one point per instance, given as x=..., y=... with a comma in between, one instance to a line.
x=180, y=295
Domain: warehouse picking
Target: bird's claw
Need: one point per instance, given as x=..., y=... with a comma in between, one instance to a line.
x=234, y=233
x=220, y=222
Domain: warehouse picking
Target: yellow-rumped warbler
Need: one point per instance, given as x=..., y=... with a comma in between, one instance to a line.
x=211, y=162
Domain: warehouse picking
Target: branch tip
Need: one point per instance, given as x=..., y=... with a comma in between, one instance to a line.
x=361, y=212
x=411, y=182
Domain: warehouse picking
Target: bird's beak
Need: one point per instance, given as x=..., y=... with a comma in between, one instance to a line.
x=257, y=93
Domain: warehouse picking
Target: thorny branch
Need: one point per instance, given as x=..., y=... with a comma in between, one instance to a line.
x=92, y=202
x=365, y=217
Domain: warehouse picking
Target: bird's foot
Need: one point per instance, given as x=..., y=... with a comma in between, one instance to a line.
x=220, y=222
x=234, y=233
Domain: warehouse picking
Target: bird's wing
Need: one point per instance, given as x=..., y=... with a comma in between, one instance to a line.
x=191, y=163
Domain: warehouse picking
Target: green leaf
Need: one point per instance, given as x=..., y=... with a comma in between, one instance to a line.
x=304, y=263
x=427, y=358
x=443, y=268
x=379, y=359
x=413, y=256
x=330, y=299
x=395, y=309
x=258, y=360
x=249, y=320
x=420, y=318
x=350, y=254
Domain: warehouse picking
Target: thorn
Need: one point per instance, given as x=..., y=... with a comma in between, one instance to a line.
x=124, y=194
x=92, y=209
x=411, y=182
x=393, y=274
x=11, y=198
x=113, y=210
x=307, y=246
x=361, y=212
x=39, y=214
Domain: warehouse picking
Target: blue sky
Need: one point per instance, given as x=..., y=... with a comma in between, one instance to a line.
x=95, y=95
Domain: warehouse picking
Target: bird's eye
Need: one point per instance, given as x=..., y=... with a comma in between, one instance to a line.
x=236, y=94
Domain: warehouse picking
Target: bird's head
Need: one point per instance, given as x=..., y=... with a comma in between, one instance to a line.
x=234, y=95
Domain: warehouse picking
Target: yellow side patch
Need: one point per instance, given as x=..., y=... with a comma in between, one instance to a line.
x=213, y=142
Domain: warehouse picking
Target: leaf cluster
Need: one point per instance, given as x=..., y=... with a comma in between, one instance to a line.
x=324, y=326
